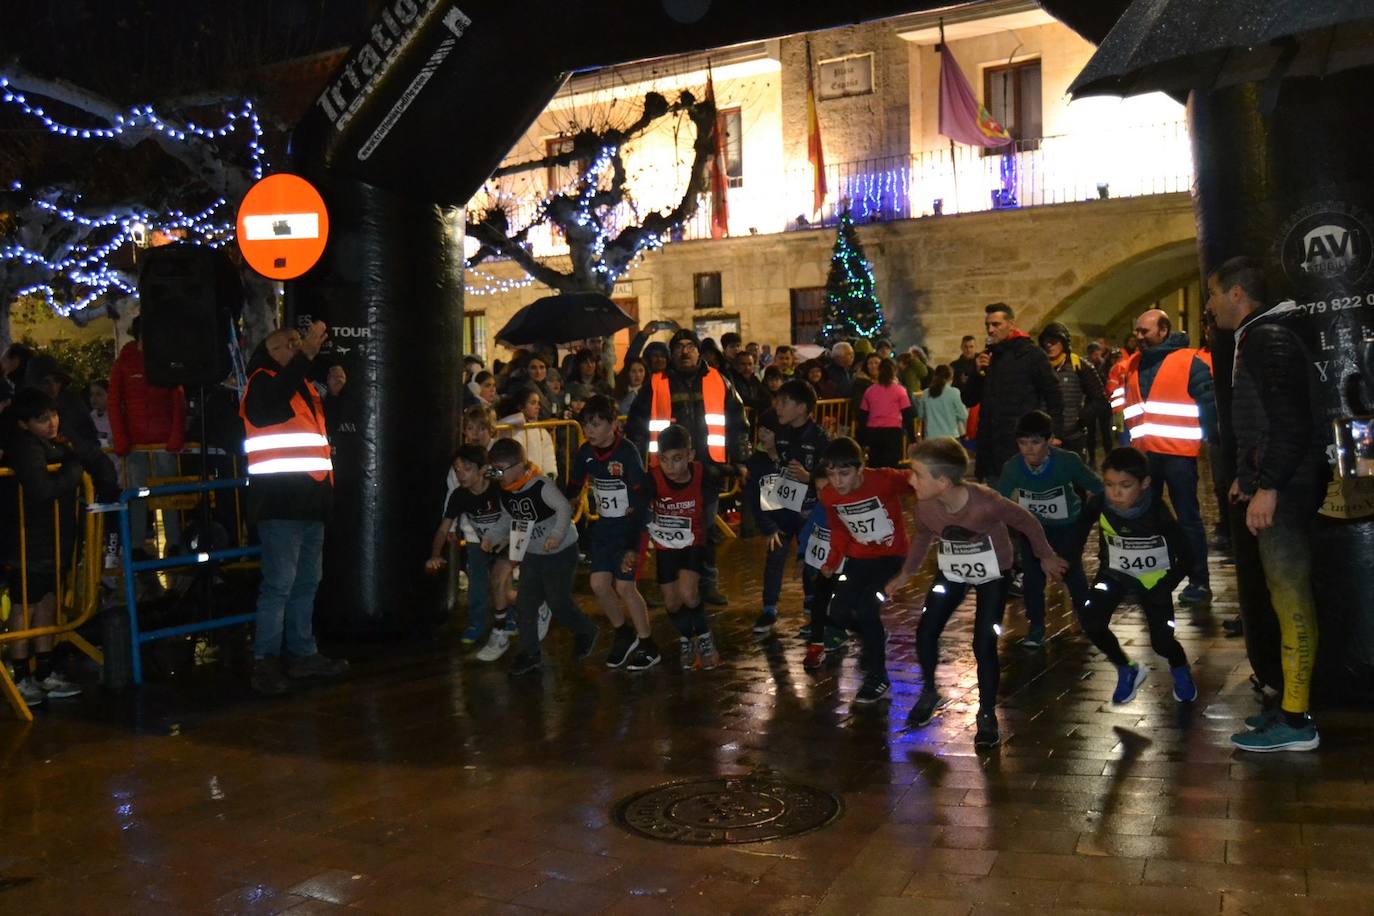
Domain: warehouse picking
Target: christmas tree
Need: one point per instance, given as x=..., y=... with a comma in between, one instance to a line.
x=851, y=306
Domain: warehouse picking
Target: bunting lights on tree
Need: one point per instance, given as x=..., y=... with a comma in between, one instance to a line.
x=60, y=251
x=851, y=303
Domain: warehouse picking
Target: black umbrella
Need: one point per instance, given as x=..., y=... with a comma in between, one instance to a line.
x=563, y=317
x=1175, y=46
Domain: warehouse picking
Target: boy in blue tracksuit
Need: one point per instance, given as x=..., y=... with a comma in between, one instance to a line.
x=782, y=483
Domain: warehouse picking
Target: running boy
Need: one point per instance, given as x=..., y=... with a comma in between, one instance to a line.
x=1045, y=481
x=612, y=464
x=543, y=542
x=1142, y=550
x=864, y=511
x=675, y=495
x=970, y=521
x=786, y=492
x=475, y=507
x=814, y=546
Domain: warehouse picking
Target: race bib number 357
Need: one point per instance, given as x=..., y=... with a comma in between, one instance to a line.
x=867, y=521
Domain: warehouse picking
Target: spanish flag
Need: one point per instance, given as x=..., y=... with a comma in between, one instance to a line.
x=815, y=152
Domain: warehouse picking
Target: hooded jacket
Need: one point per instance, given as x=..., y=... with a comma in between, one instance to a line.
x=1018, y=380
x=74, y=417
x=142, y=413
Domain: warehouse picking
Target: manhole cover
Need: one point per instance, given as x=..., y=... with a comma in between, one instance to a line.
x=723, y=812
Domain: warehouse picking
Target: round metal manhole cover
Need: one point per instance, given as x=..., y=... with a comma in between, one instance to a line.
x=724, y=812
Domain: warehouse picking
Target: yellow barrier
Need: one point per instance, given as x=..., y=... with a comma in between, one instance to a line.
x=77, y=603
x=832, y=415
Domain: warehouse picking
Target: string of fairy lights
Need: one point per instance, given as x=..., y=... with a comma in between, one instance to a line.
x=83, y=265
x=852, y=308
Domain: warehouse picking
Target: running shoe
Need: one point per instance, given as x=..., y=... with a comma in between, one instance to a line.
x=926, y=706
x=1195, y=594
x=1185, y=691
x=1278, y=735
x=872, y=691
x=689, y=660
x=1234, y=626
x=58, y=687
x=31, y=692
x=624, y=643
x=1035, y=636
x=497, y=644
x=644, y=657
x=545, y=615
x=763, y=624
x=1262, y=718
x=471, y=634
x=987, y=735
x=1128, y=681
x=835, y=639
x=526, y=664
x=706, y=649
x=815, y=656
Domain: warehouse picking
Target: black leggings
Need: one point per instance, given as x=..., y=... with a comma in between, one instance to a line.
x=1157, y=603
x=857, y=606
x=818, y=591
x=941, y=602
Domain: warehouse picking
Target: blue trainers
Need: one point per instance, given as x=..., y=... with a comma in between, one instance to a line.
x=1035, y=636
x=1128, y=681
x=471, y=635
x=1278, y=735
x=1195, y=594
x=1262, y=718
x=1185, y=691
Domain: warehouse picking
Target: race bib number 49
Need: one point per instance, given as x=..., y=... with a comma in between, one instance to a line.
x=671, y=532
x=972, y=562
x=612, y=498
x=867, y=521
x=520, y=531
x=1138, y=557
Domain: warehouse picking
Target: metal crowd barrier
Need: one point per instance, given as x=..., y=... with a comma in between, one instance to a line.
x=182, y=505
x=132, y=566
x=832, y=415
x=76, y=598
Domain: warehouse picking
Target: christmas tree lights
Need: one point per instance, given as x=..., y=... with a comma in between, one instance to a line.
x=851, y=304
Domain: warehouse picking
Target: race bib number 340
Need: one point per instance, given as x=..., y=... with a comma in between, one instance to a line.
x=1138, y=557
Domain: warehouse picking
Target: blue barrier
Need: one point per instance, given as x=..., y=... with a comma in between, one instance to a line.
x=132, y=566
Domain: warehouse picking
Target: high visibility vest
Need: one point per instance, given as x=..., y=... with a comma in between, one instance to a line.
x=661, y=413
x=1116, y=381
x=298, y=446
x=1169, y=421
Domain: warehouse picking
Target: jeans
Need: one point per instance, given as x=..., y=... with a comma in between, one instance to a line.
x=774, y=565
x=292, y=553
x=138, y=467
x=1286, y=552
x=1158, y=605
x=857, y=606
x=479, y=585
x=1179, y=474
x=548, y=578
x=941, y=603
x=1065, y=543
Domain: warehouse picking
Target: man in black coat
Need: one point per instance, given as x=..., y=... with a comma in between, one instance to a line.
x=1017, y=378
x=1281, y=474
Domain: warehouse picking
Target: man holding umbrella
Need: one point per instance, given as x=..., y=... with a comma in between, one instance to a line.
x=692, y=394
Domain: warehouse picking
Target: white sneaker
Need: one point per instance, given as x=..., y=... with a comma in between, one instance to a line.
x=32, y=692
x=497, y=644
x=58, y=687
x=545, y=615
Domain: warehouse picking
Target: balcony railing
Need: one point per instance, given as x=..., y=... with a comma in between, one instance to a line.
x=1132, y=162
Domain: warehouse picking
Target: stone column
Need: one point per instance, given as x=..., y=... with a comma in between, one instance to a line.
x=390, y=287
x=1288, y=180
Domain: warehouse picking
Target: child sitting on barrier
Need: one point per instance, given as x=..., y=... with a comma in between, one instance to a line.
x=33, y=578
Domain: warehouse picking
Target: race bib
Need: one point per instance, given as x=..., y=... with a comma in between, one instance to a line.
x=487, y=525
x=971, y=562
x=778, y=491
x=520, y=531
x=818, y=548
x=612, y=497
x=671, y=532
x=867, y=521
x=1048, y=505
x=1138, y=557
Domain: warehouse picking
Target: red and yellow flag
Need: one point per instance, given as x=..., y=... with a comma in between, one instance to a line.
x=815, y=152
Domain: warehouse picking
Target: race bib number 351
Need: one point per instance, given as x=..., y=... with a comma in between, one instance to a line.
x=612, y=498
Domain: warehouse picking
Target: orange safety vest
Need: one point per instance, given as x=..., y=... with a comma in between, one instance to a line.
x=1169, y=422
x=1116, y=381
x=299, y=445
x=661, y=413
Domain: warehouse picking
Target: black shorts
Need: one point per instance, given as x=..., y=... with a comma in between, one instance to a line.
x=672, y=562
x=607, y=555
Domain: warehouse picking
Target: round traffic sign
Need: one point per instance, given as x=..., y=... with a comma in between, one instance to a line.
x=282, y=226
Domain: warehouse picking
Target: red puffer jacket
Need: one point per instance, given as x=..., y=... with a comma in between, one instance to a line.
x=142, y=413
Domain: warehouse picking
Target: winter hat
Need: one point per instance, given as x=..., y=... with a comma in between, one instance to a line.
x=1055, y=331
x=686, y=334
x=862, y=347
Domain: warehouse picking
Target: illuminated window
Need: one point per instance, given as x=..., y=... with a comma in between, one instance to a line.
x=1012, y=96
x=728, y=123
x=706, y=291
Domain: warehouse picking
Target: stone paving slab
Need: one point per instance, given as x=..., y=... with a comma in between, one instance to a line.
x=429, y=783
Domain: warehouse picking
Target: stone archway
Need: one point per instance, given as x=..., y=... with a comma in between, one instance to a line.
x=1106, y=303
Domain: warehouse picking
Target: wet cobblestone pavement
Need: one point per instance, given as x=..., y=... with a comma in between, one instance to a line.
x=429, y=783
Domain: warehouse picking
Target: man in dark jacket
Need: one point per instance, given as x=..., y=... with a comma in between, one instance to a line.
x=1281, y=474
x=968, y=378
x=290, y=501
x=1016, y=380
x=1080, y=386
x=751, y=391
x=684, y=375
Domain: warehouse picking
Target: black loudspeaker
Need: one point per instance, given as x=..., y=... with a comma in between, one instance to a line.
x=189, y=297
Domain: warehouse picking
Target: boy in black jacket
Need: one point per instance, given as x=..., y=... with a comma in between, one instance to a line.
x=1142, y=549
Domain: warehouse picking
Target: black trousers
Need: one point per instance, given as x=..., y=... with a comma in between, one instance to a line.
x=941, y=602
x=1158, y=604
x=857, y=606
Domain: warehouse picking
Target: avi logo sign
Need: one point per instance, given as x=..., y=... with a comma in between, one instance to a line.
x=1326, y=247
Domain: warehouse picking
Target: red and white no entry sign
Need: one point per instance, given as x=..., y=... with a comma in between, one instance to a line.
x=282, y=226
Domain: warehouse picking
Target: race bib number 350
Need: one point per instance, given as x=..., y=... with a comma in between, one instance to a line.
x=867, y=521
x=671, y=532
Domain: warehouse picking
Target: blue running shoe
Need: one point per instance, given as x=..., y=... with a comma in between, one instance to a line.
x=471, y=635
x=1278, y=735
x=1185, y=691
x=1194, y=595
x=1128, y=681
x=1262, y=719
